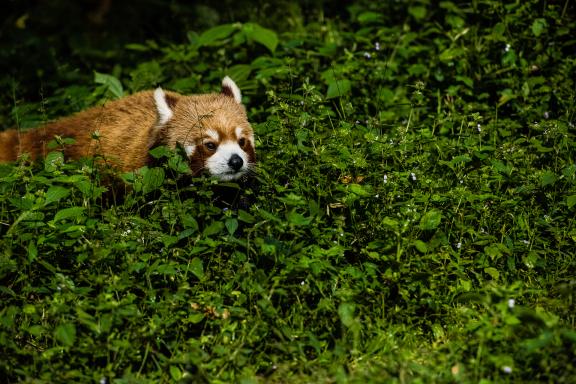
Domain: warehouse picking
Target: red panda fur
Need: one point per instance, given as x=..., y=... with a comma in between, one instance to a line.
x=123, y=131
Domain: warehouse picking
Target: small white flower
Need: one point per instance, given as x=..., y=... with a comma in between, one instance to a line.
x=103, y=380
x=511, y=303
x=461, y=181
x=367, y=55
x=377, y=46
x=301, y=102
x=413, y=176
x=385, y=179
x=302, y=283
x=479, y=127
x=507, y=48
x=546, y=115
x=459, y=245
x=507, y=369
x=377, y=196
x=525, y=242
x=357, y=121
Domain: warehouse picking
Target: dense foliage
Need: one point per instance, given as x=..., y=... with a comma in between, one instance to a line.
x=412, y=219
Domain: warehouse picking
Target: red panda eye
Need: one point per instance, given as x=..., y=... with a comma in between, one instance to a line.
x=242, y=142
x=210, y=146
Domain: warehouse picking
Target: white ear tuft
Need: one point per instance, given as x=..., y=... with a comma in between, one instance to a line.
x=164, y=111
x=230, y=88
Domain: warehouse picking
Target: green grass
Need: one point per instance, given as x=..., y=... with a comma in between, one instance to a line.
x=412, y=218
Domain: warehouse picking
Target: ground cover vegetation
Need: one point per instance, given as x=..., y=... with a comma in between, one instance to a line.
x=411, y=219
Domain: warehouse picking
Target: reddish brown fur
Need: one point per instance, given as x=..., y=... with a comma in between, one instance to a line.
x=193, y=115
x=128, y=128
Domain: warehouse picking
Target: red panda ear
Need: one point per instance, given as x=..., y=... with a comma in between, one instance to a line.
x=164, y=105
x=229, y=88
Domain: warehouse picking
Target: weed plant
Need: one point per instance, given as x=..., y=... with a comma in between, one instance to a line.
x=412, y=218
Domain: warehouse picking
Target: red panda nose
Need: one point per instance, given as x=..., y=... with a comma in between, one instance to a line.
x=235, y=162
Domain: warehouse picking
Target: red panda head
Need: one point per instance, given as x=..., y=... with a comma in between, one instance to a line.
x=213, y=129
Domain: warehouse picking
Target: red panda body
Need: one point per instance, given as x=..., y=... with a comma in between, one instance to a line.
x=212, y=128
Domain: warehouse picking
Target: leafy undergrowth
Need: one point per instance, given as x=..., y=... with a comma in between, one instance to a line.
x=411, y=219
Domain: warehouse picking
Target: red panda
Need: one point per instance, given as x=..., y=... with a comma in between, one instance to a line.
x=212, y=128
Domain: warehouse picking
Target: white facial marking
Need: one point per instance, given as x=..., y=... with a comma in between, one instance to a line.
x=227, y=82
x=250, y=137
x=164, y=111
x=218, y=166
x=189, y=149
x=212, y=134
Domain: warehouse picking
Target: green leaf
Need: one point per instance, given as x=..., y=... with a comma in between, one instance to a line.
x=451, y=54
x=213, y=228
x=176, y=163
x=66, y=334
x=32, y=251
x=346, y=313
x=264, y=36
x=146, y=75
x=166, y=269
x=185, y=233
x=539, y=26
x=75, y=228
x=493, y=272
x=240, y=73
x=153, y=179
x=421, y=246
x=197, y=267
x=137, y=47
x=159, y=152
x=68, y=213
x=493, y=251
x=391, y=223
x=338, y=88
x=175, y=373
x=571, y=201
x=215, y=34
x=297, y=219
x=359, y=190
x=369, y=17
x=245, y=216
x=418, y=12
x=112, y=84
x=189, y=222
x=430, y=220
x=55, y=193
x=548, y=178
x=231, y=225
x=53, y=161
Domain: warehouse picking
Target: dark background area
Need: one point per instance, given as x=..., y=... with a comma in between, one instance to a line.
x=49, y=41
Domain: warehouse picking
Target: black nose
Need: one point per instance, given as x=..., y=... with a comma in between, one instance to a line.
x=235, y=162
